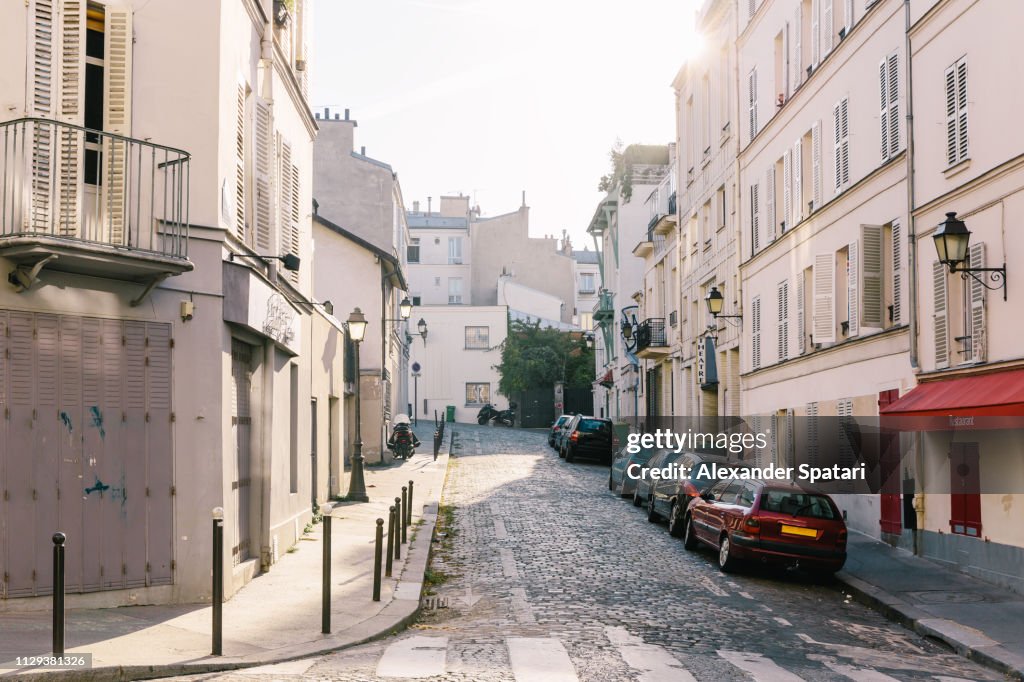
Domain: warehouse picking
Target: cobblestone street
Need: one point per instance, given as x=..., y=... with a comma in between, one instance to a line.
x=548, y=576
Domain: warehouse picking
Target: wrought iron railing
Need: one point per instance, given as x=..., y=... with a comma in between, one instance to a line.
x=651, y=333
x=605, y=305
x=72, y=183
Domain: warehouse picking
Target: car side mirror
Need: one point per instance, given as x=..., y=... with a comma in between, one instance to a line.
x=707, y=496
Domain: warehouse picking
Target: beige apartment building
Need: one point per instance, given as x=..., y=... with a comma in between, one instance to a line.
x=823, y=170
x=161, y=355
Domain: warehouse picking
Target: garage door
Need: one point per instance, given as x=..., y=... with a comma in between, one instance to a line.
x=85, y=448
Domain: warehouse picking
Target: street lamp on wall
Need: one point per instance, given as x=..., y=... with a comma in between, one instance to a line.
x=356, y=325
x=421, y=327
x=952, y=242
x=716, y=302
x=405, y=308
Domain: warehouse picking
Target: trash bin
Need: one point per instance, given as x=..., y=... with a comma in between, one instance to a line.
x=450, y=413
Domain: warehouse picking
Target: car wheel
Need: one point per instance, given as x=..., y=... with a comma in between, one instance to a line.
x=689, y=537
x=652, y=515
x=636, y=498
x=570, y=455
x=481, y=420
x=675, y=522
x=726, y=561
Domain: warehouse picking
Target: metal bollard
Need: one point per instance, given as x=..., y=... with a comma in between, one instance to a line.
x=405, y=509
x=218, y=580
x=398, y=524
x=58, y=593
x=377, y=550
x=408, y=512
x=391, y=541
x=325, y=598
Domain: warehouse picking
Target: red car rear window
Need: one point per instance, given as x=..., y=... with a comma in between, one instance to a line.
x=797, y=503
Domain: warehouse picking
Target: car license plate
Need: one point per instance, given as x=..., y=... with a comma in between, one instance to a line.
x=796, y=530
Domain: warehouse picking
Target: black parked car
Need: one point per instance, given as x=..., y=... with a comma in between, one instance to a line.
x=589, y=437
x=645, y=486
x=562, y=437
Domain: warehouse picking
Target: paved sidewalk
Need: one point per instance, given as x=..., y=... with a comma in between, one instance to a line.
x=274, y=618
x=978, y=620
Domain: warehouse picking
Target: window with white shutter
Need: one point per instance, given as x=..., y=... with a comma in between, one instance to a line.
x=796, y=43
x=801, y=311
x=752, y=101
x=816, y=164
x=798, y=182
x=787, y=190
x=870, y=268
x=824, y=316
x=977, y=301
x=848, y=15
x=769, y=206
x=755, y=332
x=240, y=193
x=290, y=198
x=71, y=110
x=294, y=247
x=783, y=291
x=956, y=112
x=815, y=33
x=841, y=117
x=853, y=288
x=827, y=28
x=940, y=296
x=117, y=117
x=897, y=273
x=755, y=228
x=889, y=112
x=264, y=204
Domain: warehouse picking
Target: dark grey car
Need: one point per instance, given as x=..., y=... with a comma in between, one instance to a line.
x=617, y=478
x=669, y=498
x=645, y=486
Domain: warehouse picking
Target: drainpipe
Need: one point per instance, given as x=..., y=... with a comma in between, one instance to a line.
x=918, y=441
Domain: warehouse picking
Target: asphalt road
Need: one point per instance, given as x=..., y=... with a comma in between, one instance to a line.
x=546, y=576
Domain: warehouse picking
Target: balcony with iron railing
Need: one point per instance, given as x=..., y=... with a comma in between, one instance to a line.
x=91, y=202
x=605, y=308
x=662, y=207
x=651, y=341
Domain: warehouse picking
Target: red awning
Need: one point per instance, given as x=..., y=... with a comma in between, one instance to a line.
x=1000, y=394
x=606, y=379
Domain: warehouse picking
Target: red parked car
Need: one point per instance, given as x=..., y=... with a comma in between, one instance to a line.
x=768, y=521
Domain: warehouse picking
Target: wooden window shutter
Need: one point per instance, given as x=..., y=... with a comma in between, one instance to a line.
x=961, y=107
x=751, y=9
x=752, y=102
x=840, y=113
x=815, y=34
x=755, y=332
x=827, y=27
x=797, y=47
x=940, y=315
x=977, y=295
x=755, y=228
x=117, y=118
x=871, y=276
x=883, y=116
x=848, y=15
x=816, y=164
x=783, y=339
x=894, y=105
x=798, y=182
x=71, y=110
x=240, y=217
x=264, y=204
x=40, y=207
x=897, y=272
x=801, y=325
x=951, y=144
x=837, y=142
x=853, y=288
x=956, y=112
x=295, y=216
x=769, y=206
x=787, y=189
x=290, y=198
x=824, y=316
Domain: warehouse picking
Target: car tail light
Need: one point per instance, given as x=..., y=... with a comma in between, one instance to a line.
x=575, y=436
x=752, y=524
x=841, y=537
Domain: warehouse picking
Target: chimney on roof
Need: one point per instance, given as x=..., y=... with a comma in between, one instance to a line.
x=316, y=115
x=337, y=116
x=524, y=197
x=429, y=200
x=327, y=112
x=362, y=150
x=415, y=207
x=346, y=114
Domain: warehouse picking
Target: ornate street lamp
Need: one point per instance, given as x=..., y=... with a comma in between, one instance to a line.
x=357, y=486
x=421, y=327
x=952, y=242
x=405, y=308
x=589, y=340
x=716, y=302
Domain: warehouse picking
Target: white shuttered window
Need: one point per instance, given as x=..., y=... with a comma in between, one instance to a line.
x=889, y=112
x=824, y=298
x=956, y=112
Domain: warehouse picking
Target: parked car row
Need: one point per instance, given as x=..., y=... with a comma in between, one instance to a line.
x=582, y=436
x=741, y=519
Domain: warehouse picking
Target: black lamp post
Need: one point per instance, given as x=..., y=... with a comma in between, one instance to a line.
x=588, y=339
x=716, y=302
x=405, y=308
x=952, y=242
x=421, y=327
x=356, y=485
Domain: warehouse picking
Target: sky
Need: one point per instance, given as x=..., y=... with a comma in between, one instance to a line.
x=494, y=97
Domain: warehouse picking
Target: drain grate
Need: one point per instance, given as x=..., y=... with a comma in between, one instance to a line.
x=433, y=603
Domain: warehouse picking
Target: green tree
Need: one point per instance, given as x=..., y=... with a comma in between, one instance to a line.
x=533, y=356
